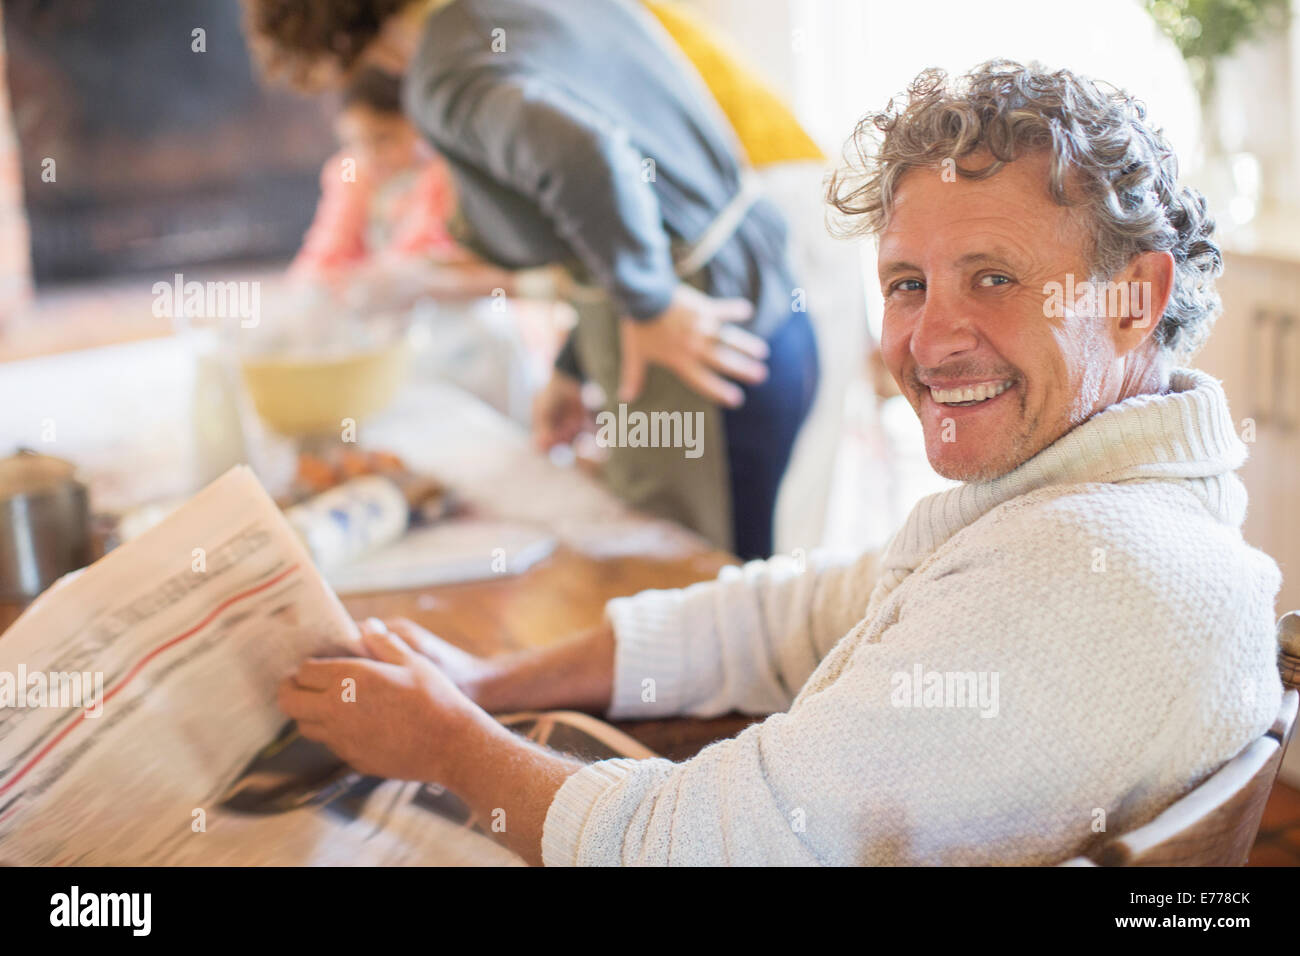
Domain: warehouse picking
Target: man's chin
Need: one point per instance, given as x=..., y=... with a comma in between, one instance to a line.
x=985, y=453
x=967, y=471
x=984, y=468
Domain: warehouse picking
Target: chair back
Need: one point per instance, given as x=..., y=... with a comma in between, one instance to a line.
x=1217, y=822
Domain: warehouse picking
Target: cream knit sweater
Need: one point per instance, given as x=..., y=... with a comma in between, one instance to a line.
x=1114, y=634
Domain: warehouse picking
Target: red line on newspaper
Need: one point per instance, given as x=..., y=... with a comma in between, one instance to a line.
x=58, y=738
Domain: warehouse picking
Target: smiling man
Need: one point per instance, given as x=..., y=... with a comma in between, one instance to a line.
x=1050, y=652
x=967, y=264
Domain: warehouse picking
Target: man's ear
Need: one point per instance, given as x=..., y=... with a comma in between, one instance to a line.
x=1149, y=278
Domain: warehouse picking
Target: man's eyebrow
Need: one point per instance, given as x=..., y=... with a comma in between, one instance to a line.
x=997, y=256
x=895, y=266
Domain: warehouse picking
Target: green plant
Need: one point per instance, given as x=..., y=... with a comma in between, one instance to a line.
x=1207, y=30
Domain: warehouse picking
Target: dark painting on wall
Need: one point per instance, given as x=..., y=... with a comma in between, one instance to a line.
x=148, y=142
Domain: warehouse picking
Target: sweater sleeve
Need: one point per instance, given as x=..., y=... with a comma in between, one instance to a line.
x=583, y=172
x=996, y=714
x=745, y=641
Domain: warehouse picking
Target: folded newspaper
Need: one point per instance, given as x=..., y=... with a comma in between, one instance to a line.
x=138, y=718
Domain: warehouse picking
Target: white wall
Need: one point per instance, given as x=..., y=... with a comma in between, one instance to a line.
x=837, y=59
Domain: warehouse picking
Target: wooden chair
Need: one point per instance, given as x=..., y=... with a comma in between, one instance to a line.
x=1216, y=824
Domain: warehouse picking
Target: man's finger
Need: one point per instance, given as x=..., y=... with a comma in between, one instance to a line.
x=735, y=365
x=318, y=673
x=369, y=626
x=387, y=648
x=300, y=704
x=402, y=626
x=416, y=637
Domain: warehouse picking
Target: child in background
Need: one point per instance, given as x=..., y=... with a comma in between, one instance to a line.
x=380, y=235
x=381, y=245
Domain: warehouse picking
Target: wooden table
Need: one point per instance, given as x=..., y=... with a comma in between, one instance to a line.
x=562, y=595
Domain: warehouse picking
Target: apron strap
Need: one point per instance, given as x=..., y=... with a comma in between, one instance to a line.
x=714, y=237
x=723, y=227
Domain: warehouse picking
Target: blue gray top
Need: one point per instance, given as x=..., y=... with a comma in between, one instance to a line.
x=577, y=133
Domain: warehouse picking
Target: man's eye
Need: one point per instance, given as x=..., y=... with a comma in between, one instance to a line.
x=907, y=285
x=994, y=279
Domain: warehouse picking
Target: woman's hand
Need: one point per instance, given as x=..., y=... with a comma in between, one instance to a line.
x=696, y=339
x=559, y=414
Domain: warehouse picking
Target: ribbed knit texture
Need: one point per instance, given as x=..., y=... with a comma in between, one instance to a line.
x=1103, y=585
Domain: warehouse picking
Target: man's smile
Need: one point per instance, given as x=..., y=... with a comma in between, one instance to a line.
x=969, y=394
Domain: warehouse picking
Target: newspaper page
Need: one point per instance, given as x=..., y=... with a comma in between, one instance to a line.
x=301, y=787
x=138, y=717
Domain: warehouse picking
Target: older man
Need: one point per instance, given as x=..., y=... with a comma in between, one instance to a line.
x=1055, y=649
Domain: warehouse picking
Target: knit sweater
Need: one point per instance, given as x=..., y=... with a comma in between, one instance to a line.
x=1034, y=663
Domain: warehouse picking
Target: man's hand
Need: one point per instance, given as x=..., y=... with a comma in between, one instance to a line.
x=559, y=414
x=695, y=338
x=404, y=719
x=577, y=674
x=472, y=675
x=393, y=715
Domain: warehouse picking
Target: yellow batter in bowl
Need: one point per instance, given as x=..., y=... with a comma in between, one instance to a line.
x=311, y=394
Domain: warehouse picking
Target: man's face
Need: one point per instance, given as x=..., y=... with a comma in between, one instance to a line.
x=963, y=266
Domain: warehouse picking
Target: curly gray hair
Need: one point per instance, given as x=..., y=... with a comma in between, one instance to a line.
x=1121, y=170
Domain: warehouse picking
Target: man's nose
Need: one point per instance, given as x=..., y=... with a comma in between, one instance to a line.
x=943, y=329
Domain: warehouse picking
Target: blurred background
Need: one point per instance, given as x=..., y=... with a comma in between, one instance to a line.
x=168, y=158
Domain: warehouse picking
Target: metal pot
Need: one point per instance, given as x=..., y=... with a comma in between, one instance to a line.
x=44, y=524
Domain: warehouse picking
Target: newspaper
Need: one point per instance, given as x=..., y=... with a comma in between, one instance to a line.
x=138, y=717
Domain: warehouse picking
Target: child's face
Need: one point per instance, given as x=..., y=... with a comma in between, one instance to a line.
x=384, y=144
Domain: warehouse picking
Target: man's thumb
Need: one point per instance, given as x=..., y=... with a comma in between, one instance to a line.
x=382, y=645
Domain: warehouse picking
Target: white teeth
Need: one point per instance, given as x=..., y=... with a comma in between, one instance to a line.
x=979, y=393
